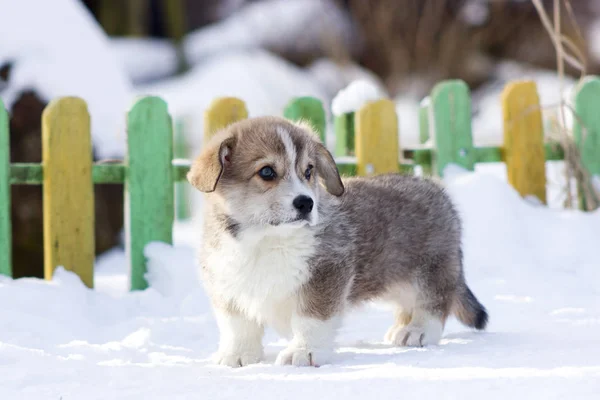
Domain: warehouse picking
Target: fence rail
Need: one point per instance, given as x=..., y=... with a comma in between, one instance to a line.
x=367, y=142
x=33, y=174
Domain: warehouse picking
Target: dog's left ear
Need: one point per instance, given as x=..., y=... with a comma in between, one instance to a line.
x=208, y=168
x=328, y=171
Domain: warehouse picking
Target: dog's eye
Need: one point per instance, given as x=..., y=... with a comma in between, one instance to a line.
x=308, y=172
x=267, y=173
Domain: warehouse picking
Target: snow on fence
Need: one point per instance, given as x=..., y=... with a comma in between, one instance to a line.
x=366, y=143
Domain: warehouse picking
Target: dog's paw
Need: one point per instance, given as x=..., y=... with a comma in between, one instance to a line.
x=237, y=359
x=417, y=336
x=302, y=357
x=392, y=332
x=402, y=319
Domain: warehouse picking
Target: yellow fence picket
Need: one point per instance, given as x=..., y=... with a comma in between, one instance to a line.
x=524, y=139
x=376, y=138
x=68, y=189
x=222, y=112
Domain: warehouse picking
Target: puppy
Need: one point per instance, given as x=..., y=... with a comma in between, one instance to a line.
x=288, y=244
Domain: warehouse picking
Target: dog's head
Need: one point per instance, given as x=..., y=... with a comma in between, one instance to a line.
x=267, y=171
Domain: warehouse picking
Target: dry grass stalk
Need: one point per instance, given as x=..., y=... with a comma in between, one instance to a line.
x=574, y=169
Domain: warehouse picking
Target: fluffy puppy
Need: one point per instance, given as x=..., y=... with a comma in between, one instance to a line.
x=288, y=244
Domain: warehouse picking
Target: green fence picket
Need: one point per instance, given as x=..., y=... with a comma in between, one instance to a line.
x=182, y=195
x=5, y=223
x=309, y=109
x=344, y=134
x=424, y=120
x=149, y=182
x=421, y=157
x=451, y=102
x=587, y=127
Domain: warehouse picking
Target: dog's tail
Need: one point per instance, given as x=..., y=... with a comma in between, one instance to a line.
x=468, y=309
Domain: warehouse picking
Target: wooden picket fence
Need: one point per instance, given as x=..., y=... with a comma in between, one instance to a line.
x=366, y=143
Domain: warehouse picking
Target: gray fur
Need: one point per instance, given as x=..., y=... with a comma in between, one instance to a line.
x=385, y=230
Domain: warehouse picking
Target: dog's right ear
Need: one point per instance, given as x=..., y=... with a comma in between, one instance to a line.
x=208, y=168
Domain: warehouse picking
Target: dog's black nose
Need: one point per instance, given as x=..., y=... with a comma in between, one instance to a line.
x=304, y=204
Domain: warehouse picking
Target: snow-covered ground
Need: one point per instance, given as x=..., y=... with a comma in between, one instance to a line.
x=535, y=269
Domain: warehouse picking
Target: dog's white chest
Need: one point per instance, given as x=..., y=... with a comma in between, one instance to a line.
x=262, y=273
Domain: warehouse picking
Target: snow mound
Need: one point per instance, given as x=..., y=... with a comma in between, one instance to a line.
x=272, y=24
x=169, y=270
x=334, y=77
x=61, y=51
x=265, y=82
x=355, y=95
x=145, y=60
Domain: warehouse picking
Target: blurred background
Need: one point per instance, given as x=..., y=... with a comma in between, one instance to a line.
x=264, y=52
x=407, y=44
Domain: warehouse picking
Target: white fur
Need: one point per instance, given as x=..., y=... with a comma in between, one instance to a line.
x=312, y=343
x=261, y=271
x=298, y=187
x=424, y=329
x=290, y=149
x=403, y=295
x=403, y=298
x=240, y=340
x=413, y=325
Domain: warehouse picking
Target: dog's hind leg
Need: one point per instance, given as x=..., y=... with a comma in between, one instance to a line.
x=402, y=298
x=434, y=289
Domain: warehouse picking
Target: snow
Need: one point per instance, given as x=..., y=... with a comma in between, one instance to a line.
x=475, y=12
x=144, y=59
x=596, y=182
x=272, y=24
x=333, y=77
x=265, y=82
x=594, y=40
x=407, y=110
x=71, y=58
x=535, y=269
x=358, y=93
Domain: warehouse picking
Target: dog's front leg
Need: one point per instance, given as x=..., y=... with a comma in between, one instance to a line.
x=240, y=341
x=312, y=341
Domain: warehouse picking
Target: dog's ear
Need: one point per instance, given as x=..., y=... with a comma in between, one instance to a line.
x=328, y=171
x=208, y=167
